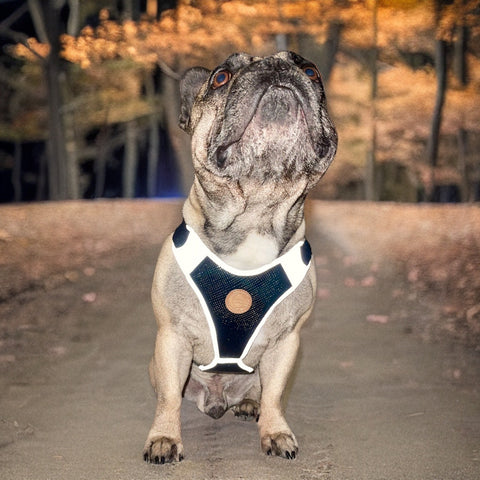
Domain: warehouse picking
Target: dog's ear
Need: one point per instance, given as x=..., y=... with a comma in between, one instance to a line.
x=190, y=84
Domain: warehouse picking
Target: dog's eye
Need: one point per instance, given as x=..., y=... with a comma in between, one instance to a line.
x=312, y=73
x=221, y=78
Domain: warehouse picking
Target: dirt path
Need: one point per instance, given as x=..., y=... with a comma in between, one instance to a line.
x=369, y=399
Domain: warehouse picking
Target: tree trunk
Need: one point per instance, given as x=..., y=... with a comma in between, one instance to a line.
x=441, y=74
x=180, y=140
x=460, y=65
x=323, y=55
x=153, y=155
x=101, y=161
x=153, y=138
x=17, y=173
x=63, y=181
x=69, y=129
x=370, y=164
x=130, y=160
x=460, y=69
x=42, y=178
x=330, y=49
x=57, y=179
x=462, y=140
x=37, y=15
x=152, y=8
x=73, y=25
x=131, y=9
x=281, y=42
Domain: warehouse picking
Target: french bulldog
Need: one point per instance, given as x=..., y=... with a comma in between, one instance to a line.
x=235, y=282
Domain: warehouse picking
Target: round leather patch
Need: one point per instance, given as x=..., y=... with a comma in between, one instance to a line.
x=238, y=301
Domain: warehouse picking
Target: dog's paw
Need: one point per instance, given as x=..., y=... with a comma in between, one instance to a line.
x=247, y=410
x=163, y=450
x=280, y=444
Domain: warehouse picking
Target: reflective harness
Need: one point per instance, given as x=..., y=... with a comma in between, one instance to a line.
x=236, y=303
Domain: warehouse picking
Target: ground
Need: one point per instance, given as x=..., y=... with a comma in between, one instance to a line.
x=386, y=386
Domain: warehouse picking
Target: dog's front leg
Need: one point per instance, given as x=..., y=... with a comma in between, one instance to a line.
x=275, y=367
x=169, y=370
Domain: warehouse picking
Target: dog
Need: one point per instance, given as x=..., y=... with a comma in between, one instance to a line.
x=235, y=282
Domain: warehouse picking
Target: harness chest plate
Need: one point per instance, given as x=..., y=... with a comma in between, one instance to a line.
x=236, y=303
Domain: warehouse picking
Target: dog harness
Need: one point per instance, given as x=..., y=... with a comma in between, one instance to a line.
x=236, y=303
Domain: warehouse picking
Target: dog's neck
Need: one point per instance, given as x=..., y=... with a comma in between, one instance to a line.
x=249, y=226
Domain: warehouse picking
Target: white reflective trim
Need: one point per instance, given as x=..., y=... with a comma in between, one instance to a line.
x=212, y=364
x=243, y=366
x=180, y=257
x=193, y=251
x=295, y=280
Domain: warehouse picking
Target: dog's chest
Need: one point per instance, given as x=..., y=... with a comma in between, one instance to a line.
x=256, y=250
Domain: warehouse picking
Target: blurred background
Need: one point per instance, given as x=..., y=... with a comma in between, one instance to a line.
x=89, y=92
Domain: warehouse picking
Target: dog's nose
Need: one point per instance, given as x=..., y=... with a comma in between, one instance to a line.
x=278, y=105
x=215, y=405
x=216, y=411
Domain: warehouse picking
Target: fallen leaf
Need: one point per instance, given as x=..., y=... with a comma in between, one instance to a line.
x=413, y=275
x=449, y=309
x=7, y=358
x=350, y=282
x=89, y=297
x=59, y=350
x=323, y=272
x=348, y=261
x=321, y=260
x=416, y=414
x=377, y=318
x=374, y=267
x=369, y=281
x=323, y=293
x=72, y=276
x=89, y=271
x=398, y=292
x=472, y=312
x=4, y=235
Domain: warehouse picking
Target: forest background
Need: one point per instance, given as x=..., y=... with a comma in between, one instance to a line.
x=89, y=96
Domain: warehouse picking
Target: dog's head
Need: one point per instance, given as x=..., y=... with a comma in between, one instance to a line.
x=264, y=119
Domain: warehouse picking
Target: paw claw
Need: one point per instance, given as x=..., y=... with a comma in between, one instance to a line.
x=163, y=450
x=280, y=444
x=247, y=410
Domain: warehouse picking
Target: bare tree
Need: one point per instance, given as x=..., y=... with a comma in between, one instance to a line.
x=153, y=137
x=130, y=159
x=370, y=164
x=441, y=76
x=330, y=48
x=460, y=69
x=180, y=140
x=17, y=172
x=63, y=177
